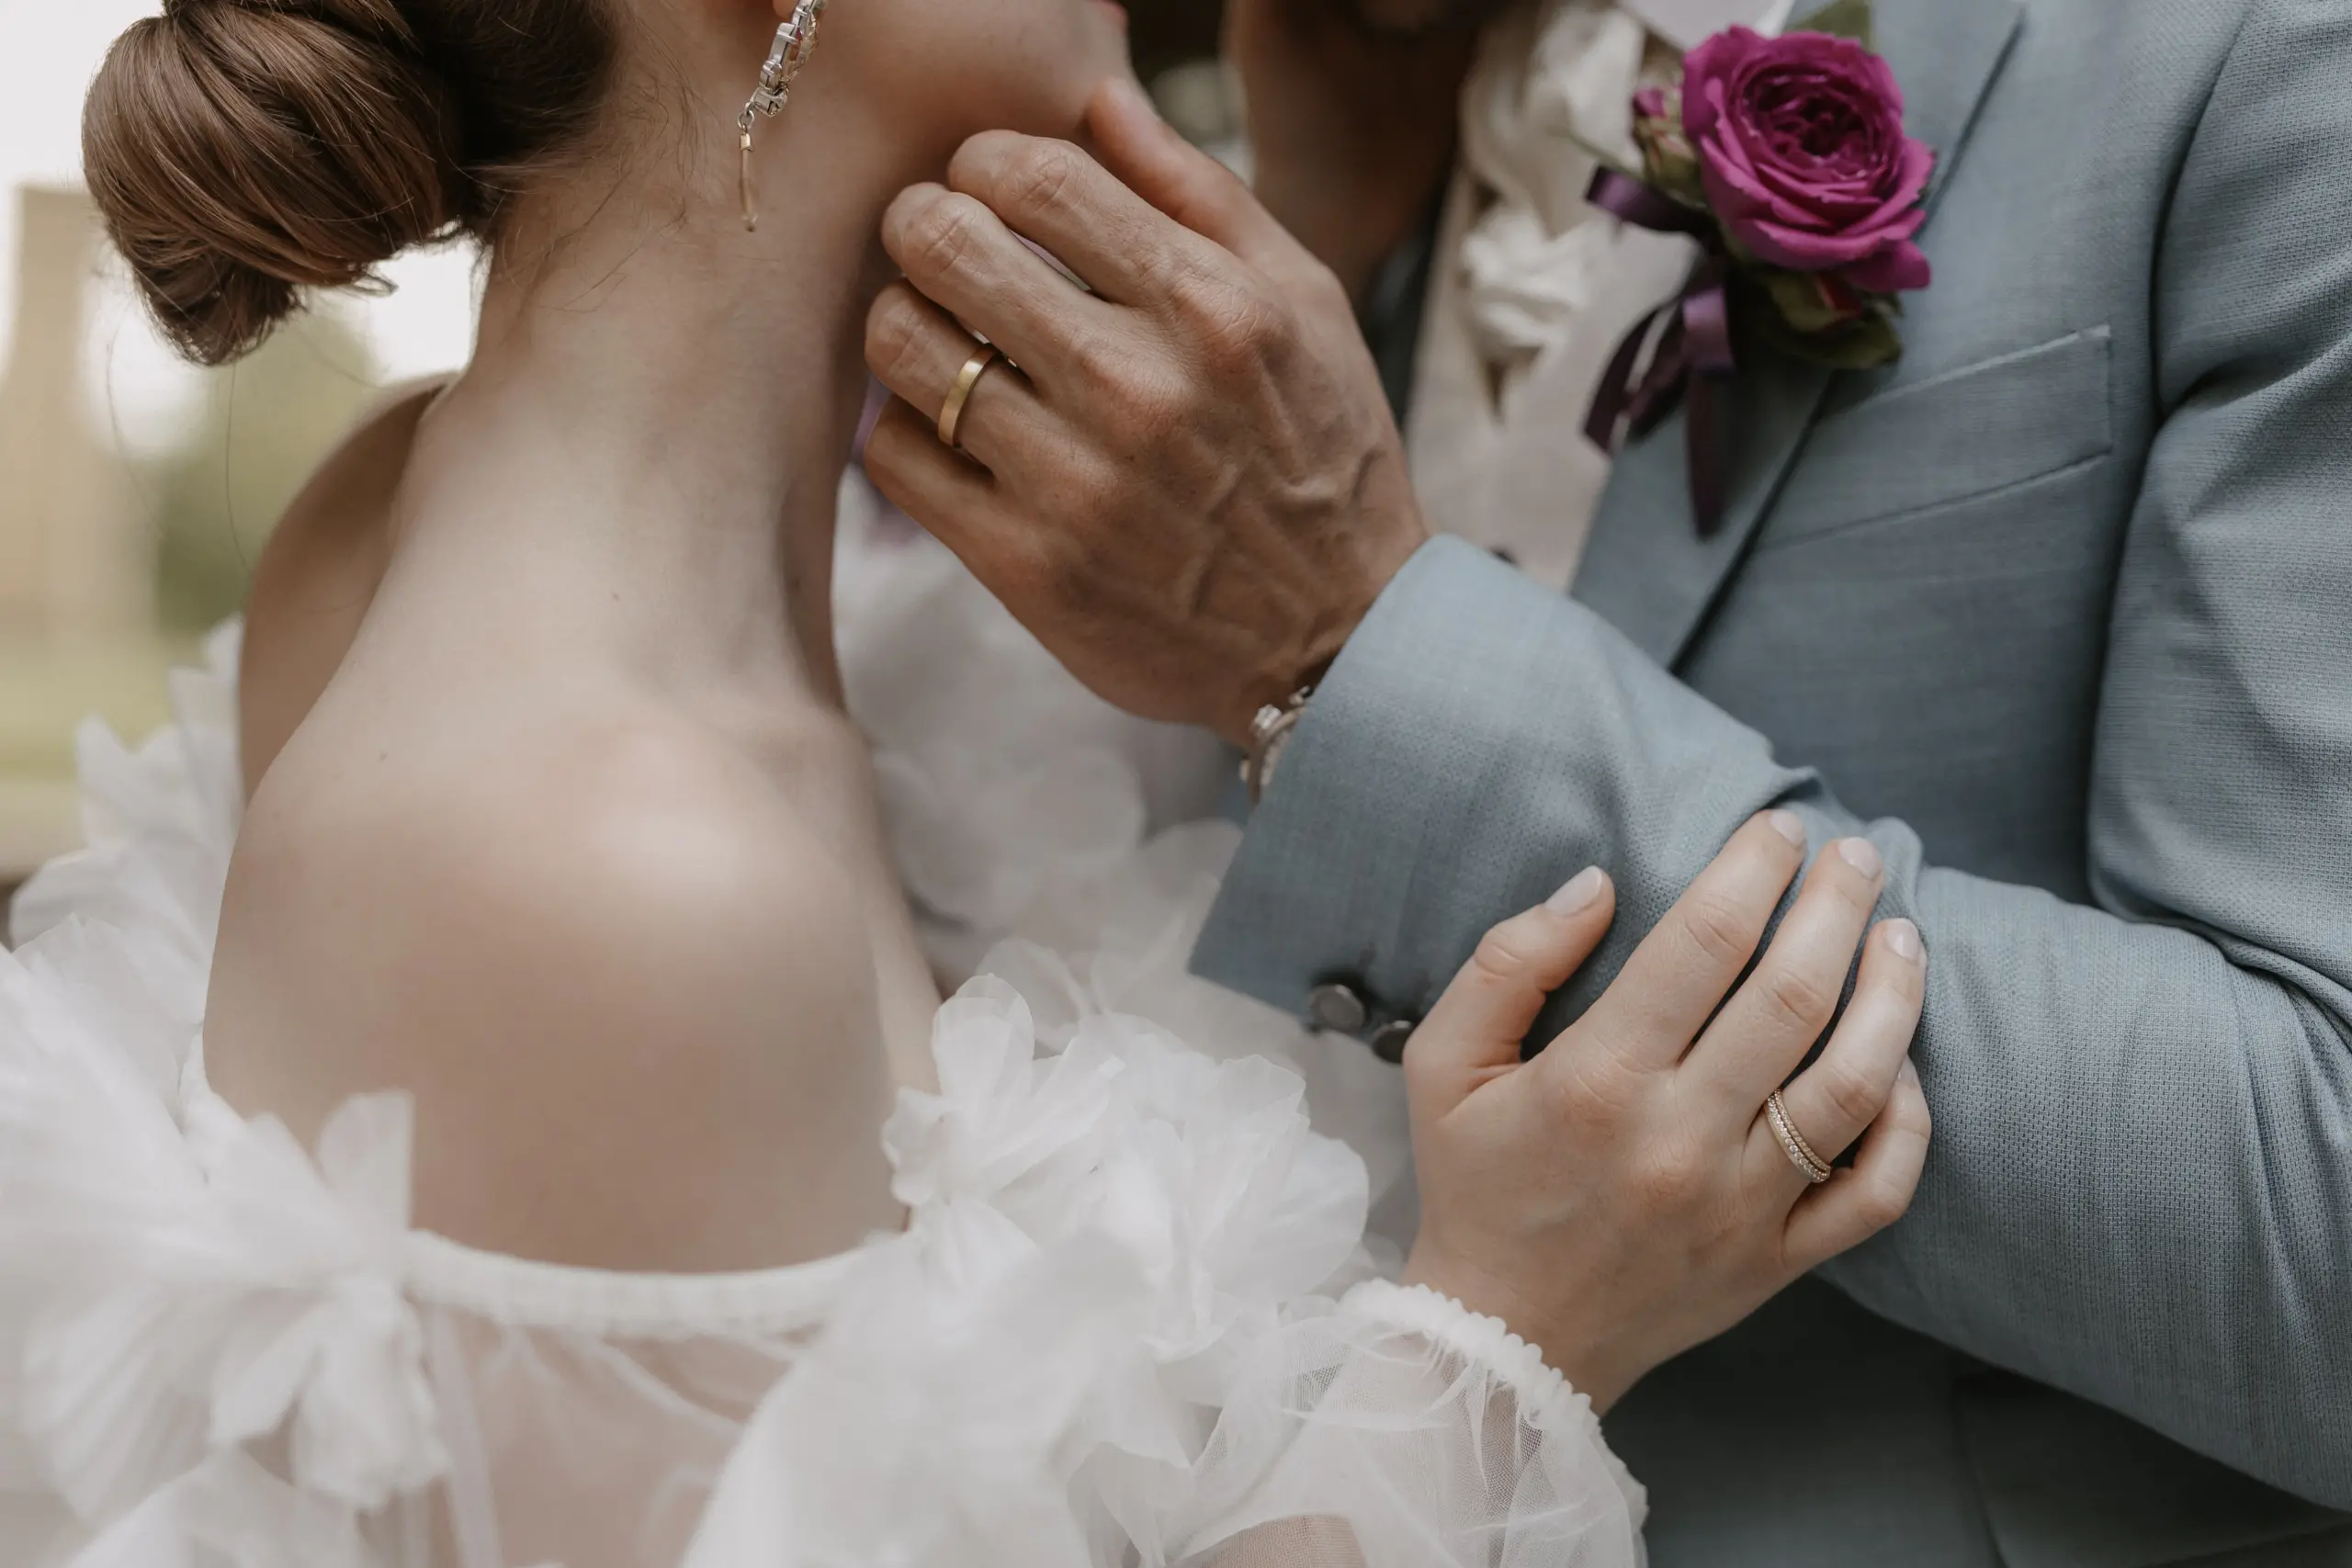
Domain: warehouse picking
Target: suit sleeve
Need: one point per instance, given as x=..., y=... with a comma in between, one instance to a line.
x=2142, y=1186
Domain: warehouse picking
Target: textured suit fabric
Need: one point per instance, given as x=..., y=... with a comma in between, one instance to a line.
x=2058, y=610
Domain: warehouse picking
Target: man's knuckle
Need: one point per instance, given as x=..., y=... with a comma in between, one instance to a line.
x=893, y=337
x=1249, y=333
x=981, y=157
x=1234, y=325
x=1104, y=368
x=1043, y=175
x=1140, y=405
x=940, y=235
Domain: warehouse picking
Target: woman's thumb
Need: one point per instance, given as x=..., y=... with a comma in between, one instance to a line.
x=1478, y=1027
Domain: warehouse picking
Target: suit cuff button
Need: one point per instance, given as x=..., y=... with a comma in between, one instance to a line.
x=1336, y=1008
x=1388, y=1041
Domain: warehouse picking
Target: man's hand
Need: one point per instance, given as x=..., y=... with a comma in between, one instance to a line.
x=1191, y=488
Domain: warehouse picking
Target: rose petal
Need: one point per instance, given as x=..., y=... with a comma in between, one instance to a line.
x=1827, y=204
x=1740, y=200
x=1706, y=70
x=1804, y=250
x=1918, y=166
x=1799, y=197
x=1900, y=216
x=1885, y=86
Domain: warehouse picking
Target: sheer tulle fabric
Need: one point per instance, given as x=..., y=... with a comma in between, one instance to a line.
x=1133, y=1319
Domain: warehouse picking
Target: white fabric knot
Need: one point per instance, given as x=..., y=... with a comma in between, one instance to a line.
x=344, y=1377
x=1524, y=284
x=190, y=1285
x=1549, y=83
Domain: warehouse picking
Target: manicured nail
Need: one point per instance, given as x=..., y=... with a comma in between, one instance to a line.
x=1580, y=894
x=1910, y=1070
x=1903, y=940
x=1789, y=825
x=1862, y=855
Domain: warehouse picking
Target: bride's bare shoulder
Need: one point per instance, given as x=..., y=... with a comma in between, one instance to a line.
x=626, y=980
x=319, y=572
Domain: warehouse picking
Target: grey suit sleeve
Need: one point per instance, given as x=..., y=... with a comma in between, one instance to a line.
x=2141, y=1184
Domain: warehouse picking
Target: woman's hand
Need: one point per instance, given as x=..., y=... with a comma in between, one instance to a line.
x=1622, y=1197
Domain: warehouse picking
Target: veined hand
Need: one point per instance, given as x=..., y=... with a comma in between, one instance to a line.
x=1191, y=488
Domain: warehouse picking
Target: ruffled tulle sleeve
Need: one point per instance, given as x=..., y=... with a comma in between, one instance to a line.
x=179, y=1284
x=1400, y=1429
x=1129, y=1324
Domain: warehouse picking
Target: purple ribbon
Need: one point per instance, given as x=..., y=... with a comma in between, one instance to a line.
x=1693, y=355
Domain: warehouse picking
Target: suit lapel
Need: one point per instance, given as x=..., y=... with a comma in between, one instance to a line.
x=1646, y=568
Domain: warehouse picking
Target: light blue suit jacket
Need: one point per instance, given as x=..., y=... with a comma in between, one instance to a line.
x=2059, y=611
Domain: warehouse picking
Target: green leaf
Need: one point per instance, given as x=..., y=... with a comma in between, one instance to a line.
x=1798, y=296
x=1866, y=344
x=1856, y=19
x=1760, y=321
x=1673, y=168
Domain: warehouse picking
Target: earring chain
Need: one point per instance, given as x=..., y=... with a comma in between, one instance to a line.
x=794, y=41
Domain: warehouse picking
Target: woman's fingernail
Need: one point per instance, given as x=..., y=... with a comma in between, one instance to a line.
x=1862, y=855
x=1579, y=895
x=1903, y=940
x=1910, y=1070
x=1789, y=825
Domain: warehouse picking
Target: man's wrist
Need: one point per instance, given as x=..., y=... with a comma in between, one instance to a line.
x=1279, y=682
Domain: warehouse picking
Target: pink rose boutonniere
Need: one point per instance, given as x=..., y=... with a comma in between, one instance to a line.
x=1786, y=159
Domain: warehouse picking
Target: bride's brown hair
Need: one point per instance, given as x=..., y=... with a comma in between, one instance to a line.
x=243, y=150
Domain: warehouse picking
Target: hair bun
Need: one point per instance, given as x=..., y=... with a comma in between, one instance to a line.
x=241, y=150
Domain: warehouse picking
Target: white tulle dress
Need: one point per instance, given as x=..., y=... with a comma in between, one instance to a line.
x=1134, y=1319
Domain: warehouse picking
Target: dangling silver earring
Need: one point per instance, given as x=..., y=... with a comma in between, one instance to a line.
x=795, y=42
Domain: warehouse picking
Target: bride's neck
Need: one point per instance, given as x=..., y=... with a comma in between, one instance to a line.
x=661, y=404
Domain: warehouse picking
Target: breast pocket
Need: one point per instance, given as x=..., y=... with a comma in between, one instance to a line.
x=1993, y=426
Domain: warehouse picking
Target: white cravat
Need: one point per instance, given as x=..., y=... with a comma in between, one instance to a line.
x=1533, y=287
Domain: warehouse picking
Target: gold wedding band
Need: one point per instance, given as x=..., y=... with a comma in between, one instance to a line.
x=951, y=414
x=1792, y=1142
